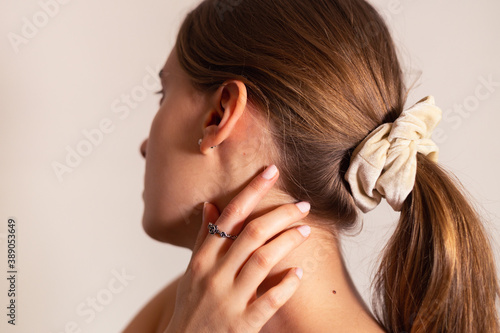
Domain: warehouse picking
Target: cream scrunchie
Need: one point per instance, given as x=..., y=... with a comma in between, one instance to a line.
x=385, y=163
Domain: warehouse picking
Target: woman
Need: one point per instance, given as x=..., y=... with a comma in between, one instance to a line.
x=314, y=91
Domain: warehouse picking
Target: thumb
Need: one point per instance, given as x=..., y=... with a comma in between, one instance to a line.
x=210, y=214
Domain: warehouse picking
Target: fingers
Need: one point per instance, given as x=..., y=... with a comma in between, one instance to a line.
x=238, y=209
x=266, y=257
x=260, y=230
x=262, y=309
x=199, y=263
x=210, y=214
x=232, y=217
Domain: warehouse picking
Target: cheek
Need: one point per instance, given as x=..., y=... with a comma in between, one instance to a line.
x=176, y=124
x=160, y=134
x=175, y=183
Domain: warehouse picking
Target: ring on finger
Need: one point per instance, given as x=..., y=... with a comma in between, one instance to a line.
x=213, y=230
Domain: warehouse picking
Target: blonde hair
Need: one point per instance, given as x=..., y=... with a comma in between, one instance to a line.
x=326, y=73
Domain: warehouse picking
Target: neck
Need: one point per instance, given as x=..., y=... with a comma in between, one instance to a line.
x=327, y=300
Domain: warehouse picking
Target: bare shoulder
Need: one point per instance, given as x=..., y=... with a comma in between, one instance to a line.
x=155, y=315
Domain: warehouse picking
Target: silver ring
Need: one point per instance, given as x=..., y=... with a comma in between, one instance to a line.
x=213, y=230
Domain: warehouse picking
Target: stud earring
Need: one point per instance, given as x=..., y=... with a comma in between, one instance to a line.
x=199, y=143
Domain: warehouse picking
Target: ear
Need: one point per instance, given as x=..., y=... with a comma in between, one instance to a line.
x=226, y=107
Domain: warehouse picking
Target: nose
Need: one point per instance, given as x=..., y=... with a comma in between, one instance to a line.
x=143, y=148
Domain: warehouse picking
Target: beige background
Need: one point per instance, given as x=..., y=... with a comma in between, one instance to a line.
x=71, y=74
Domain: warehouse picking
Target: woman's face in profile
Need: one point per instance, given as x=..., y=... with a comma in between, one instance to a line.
x=176, y=178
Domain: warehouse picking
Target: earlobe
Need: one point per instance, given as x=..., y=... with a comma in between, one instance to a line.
x=201, y=140
x=227, y=105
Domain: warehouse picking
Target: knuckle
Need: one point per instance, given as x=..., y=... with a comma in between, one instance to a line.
x=257, y=186
x=197, y=265
x=275, y=299
x=210, y=283
x=261, y=259
x=253, y=231
x=232, y=210
x=291, y=211
x=217, y=279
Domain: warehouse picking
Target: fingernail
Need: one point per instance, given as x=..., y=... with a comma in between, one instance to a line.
x=305, y=230
x=270, y=172
x=299, y=272
x=303, y=206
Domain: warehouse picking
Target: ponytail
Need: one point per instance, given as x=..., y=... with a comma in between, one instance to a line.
x=437, y=273
x=324, y=87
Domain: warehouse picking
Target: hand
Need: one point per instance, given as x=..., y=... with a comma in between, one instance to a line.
x=218, y=292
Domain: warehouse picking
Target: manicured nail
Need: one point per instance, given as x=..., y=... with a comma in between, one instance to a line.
x=270, y=172
x=299, y=272
x=305, y=230
x=303, y=206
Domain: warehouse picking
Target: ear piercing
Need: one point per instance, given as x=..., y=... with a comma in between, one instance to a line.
x=199, y=143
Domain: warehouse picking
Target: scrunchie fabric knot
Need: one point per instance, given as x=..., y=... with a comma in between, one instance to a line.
x=385, y=163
